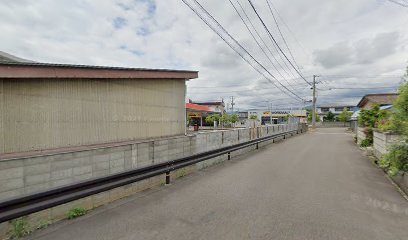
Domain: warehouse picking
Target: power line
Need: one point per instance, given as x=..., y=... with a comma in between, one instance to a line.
x=242, y=55
x=280, y=32
x=247, y=27
x=240, y=85
x=274, y=40
x=307, y=52
x=345, y=88
x=238, y=91
x=241, y=47
x=360, y=76
x=401, y=3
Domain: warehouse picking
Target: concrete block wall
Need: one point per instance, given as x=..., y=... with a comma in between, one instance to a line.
x=35, y=174
x=383, y=141
x=360, y=135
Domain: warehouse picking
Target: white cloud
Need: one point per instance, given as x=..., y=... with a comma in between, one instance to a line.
x=362, y=37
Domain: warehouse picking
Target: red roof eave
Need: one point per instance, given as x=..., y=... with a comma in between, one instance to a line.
x=42, y=70
x=197, y=107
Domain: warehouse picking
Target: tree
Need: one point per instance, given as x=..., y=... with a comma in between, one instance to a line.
x=329, y=117
x=225, y=119
x=253, y=117
x=396, y=160
x=370, y=118
x=234, y=119
x=345, y=115
x=310, y=116
x=212, y=118
x=399, y=117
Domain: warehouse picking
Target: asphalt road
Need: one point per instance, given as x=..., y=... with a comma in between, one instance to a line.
x=315, y=186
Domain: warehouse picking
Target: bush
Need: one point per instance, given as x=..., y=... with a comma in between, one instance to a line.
x=385, y=125
x=396, y=159
x=400, y=112
x=344, y=116
x=366, y=142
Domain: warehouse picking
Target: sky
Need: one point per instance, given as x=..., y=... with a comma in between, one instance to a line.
x=359, y=46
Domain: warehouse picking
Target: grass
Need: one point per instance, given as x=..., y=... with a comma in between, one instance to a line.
x=76, y=212
x=20, y=229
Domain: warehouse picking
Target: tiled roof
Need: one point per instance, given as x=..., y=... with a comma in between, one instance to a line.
x=380, y=99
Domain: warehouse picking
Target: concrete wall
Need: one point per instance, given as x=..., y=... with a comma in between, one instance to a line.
x=2, y=142
x=383, y=141
x=34, y=174
x=333, y=124
x=360, y=135
x=41, y=114
x=354, y=126
x=38, y=173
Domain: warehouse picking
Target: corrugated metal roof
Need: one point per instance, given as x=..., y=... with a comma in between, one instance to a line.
x=17, y=70
x=38, y=64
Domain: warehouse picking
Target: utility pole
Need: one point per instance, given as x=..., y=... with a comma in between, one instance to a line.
x=232, y=104
x=314, y=102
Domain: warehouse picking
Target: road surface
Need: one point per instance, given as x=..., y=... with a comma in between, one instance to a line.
x=317, y=185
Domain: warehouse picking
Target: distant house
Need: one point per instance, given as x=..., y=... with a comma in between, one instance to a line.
x=197, y=113
x=381, y=99
x=217, y=106
x=335, y=109
x=277, y=116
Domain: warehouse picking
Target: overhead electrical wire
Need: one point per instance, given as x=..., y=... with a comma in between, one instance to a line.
x=307, y=52
x=401, y=3
x=238, y=91
x=281, y=34
x=239, y=46
x=351, y=88
x=274, y=40
x=259, y=45
x=266, y=45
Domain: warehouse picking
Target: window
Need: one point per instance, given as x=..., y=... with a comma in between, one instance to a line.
x=324, y=109
x=340, y=109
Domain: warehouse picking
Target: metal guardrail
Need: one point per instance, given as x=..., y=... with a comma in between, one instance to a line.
x=21, y=206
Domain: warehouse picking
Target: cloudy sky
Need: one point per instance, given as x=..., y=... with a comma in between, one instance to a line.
x=359, y=46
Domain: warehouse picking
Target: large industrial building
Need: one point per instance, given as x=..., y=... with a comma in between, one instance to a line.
x=49, y=106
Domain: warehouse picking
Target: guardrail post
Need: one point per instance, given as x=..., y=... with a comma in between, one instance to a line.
x=257, y=146
x=229, y=155
x=168, y=177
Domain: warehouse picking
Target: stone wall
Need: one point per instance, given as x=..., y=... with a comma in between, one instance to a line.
x=29, y=175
